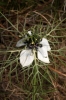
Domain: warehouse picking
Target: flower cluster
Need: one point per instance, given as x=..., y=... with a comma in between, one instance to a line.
x=32, y=41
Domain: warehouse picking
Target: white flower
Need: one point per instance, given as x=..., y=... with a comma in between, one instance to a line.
x=27, y=56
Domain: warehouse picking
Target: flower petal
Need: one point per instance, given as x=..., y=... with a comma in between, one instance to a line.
x=29, y=32
x=45, y=44
x=43, y=55
x=20, y=43
x=26, y=57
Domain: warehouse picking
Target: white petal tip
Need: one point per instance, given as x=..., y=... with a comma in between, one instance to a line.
x=20, y=43
x=29, y=32
x=43, y=55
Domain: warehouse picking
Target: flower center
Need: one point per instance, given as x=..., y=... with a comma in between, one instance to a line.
x=32, y=43
x=34, y=46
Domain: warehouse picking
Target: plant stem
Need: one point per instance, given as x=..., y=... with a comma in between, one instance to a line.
x=34, y=78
